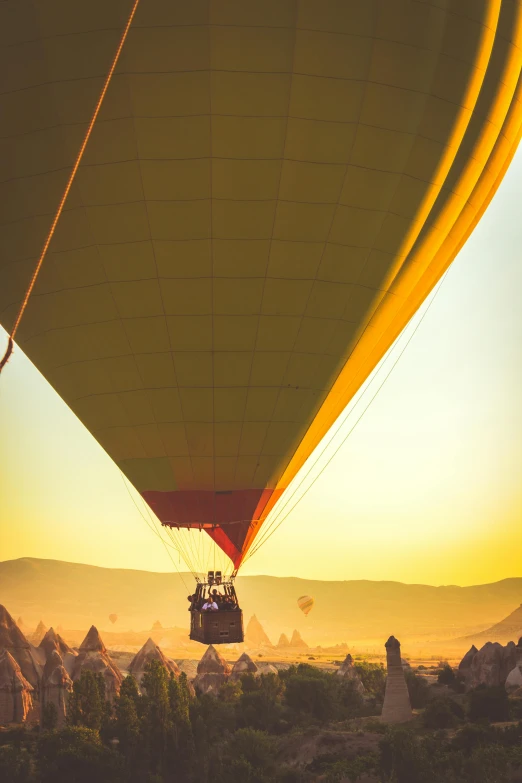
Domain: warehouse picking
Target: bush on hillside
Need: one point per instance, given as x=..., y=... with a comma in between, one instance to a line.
x=442, y=713
x=489, y=704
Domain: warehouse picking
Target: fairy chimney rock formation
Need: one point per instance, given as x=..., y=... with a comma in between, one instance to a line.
x=348, y=670
x=397, y=706
x=40, y=632
x=213, y=672
x=243, y=665
x=150, y=652
x=267, y=668
x=93, y=656
x=188, y=667
x=466, y=661
x=283, y=641
x=13, y=640
x=255, y=635
x=464, y=667
x=514, y=678
x=492, y=664
x=56, y=685
x=297, y=641
x=15, y=691
x=53, y=641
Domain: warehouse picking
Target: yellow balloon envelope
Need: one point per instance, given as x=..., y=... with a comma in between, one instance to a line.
x=305, y=604
x=270, y=191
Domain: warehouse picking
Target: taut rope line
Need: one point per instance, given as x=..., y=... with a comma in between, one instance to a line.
x=10, y=344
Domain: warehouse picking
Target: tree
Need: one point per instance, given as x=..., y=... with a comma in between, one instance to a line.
x=490, y=704
x=156, y=723
x=49, y=719
x=87, y=701
x=248, y=757
x=76, y=755
x=15, y=764
x=127, y=724
x=320, y=695
x=308, y=695
x=418, y=689
x=373, y=677
x=442, y=713
x=260, y=701
x=179, y=702
x=446, y=676
x=403, y=759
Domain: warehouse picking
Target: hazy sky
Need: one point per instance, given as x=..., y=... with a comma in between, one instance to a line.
x=427, y=488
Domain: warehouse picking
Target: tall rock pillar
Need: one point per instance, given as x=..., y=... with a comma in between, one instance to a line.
x=396, y=707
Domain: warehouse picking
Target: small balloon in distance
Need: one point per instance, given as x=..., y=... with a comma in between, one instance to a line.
x=305, y=604
x=113, y=618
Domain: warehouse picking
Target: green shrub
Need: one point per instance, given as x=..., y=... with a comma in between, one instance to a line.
x=418, y=689
x=491, y=704
x=373, y=677
x=76, y=754
x=446, y=676
x=15, y=764
x=442, y=713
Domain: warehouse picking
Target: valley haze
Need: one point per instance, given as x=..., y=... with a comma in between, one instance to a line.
x=358, y=612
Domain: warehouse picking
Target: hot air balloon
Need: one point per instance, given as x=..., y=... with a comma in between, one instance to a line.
x=269, y=192
x=113, y=618
x=305, y=604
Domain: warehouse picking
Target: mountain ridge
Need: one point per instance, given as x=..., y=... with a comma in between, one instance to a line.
x=76, y=595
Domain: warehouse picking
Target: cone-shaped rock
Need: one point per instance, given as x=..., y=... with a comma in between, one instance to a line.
x=13, y=640
x=297, y=641
x=190, y=668
x=243, y=665
x=267, y=668
x=15, y=691
x=53, y=641
x=514, y=678
x=56, y=685
x=150, y=652
x=255, y=635
x=348, y=670
x=464, y=667
x=93, y=657
x=157, y=626
x=39, y=633
x=466, y=661
x=492, y=664
x=397, y=706
x=283, y=641
x=213, y=672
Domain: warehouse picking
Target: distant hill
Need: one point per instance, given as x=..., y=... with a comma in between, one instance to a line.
x=75, y=596
x=508, y=629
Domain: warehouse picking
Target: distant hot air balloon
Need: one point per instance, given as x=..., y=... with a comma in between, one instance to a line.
x=270, y=191
x=113, y=618
x=305, y=604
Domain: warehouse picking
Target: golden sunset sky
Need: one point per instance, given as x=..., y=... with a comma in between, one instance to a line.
x=427, y=488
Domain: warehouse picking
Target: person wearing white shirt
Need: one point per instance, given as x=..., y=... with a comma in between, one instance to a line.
x=210, y=606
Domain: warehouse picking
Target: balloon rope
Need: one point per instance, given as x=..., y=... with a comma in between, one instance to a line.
x=276, y=523
x=70, y=181
x=152, y=527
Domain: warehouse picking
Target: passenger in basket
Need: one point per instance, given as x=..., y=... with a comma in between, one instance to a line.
x=210, y=605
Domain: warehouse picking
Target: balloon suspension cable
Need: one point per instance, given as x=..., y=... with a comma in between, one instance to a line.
x=70, y=181
x=153, y=528
x=277, y=521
